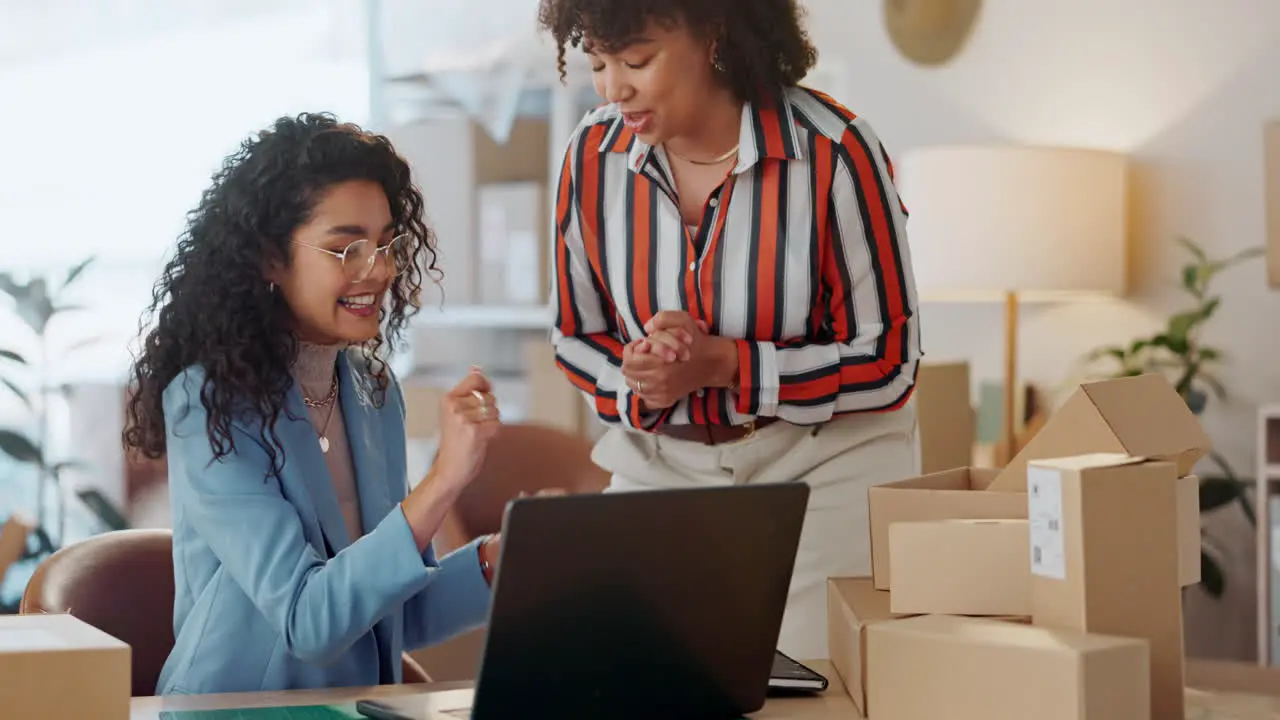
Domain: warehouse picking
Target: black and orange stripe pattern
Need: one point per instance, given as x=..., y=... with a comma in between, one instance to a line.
x=801, y=256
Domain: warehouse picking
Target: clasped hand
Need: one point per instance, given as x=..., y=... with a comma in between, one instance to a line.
x=677, y=357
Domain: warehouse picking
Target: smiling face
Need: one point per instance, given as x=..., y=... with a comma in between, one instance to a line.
x=659, y=80
x=327, y=306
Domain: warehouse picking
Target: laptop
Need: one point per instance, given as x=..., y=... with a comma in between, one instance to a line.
x=662, y=603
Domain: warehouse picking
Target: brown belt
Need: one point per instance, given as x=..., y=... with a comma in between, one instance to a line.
x=715, y=434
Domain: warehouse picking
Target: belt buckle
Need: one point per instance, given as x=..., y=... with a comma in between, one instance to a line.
x=751, y=430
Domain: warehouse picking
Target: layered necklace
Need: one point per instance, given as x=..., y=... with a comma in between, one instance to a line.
x=326, y=401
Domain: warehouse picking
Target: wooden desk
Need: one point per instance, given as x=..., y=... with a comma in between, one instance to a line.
x=831, y=705
x=834, y=703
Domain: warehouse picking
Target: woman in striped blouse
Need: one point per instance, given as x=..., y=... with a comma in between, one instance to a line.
x=732, y=274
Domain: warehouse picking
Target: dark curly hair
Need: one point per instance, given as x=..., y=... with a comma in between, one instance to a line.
x=761, y=44
x=213, y=307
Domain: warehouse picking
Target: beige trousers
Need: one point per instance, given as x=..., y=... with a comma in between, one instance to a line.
x=839, y=461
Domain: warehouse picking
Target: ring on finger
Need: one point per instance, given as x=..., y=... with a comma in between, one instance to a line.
x=484, y=404
x=639, y=386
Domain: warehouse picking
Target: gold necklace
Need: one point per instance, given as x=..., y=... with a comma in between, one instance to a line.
x=323, y=431
x=733, y=151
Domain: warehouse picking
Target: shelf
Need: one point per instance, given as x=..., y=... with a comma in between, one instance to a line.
x=486, y=317
x=1268, y=478
x=536, y=99
x=422, y=95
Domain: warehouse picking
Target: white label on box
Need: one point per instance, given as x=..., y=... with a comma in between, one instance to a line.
x=493, y=231
x=522, y=267
x=1044, y=516
x=30, y=639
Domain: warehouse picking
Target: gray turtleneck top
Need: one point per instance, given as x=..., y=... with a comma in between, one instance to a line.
x=315, y=370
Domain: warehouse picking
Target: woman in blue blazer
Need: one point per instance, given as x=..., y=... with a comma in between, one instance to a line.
x=301, y=559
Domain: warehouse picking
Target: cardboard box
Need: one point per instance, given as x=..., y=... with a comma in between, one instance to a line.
x=512, y=216
x=1138, y=416
x=960, y=567
x=422, y=400
x=951, y=494
x=944, y=411
x=1104, y=557
x=1141, y=416
x=552, y=399
x=1188, y=530
x=56, y=666
x=853, y=604
x=473, y=159
x=944, y=666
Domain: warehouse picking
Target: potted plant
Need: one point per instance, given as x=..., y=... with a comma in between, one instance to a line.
x=1178, y=352
x=25, y=377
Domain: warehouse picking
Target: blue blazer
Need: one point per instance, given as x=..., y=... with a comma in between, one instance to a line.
x=261, y=603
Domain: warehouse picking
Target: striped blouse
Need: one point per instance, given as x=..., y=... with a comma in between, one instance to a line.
x=801, y=257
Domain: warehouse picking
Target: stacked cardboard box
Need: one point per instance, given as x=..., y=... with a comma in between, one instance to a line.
x=58, y=666
x=1048, y=589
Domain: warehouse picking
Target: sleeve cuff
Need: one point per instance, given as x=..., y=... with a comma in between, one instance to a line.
x=633, y=417
x=404, y=568
x=758, y=378
x=460, y=569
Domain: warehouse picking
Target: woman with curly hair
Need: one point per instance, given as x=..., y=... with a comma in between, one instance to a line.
x=733, y=279
x=299, y=559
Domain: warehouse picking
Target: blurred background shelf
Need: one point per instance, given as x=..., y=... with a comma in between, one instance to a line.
x=486, y=317
x=1267, y=502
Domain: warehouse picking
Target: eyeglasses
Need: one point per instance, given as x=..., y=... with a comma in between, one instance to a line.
x=359, y=257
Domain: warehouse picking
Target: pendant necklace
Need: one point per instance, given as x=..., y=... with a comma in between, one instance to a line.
x=327, y=401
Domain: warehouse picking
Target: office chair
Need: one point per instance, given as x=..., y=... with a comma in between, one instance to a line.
x=100, y=581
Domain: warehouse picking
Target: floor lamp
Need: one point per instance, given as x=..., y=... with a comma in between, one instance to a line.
x=1015, y=224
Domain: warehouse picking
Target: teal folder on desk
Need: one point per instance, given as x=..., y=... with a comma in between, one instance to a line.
x=305, y=712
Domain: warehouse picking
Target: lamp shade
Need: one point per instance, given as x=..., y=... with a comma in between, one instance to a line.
x=1045, y=223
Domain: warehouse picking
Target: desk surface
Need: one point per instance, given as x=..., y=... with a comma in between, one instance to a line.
x=834, y=703
x=831, y=705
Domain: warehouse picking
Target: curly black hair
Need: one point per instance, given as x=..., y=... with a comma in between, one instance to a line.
x=761, y=45
x=213, y=307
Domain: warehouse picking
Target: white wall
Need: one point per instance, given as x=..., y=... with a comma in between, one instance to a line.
x=111, y=145
x=114, y=119
x=1182, y=85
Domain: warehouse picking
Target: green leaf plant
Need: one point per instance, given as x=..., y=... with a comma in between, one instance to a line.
x=25, y=377
x=1177, y=352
